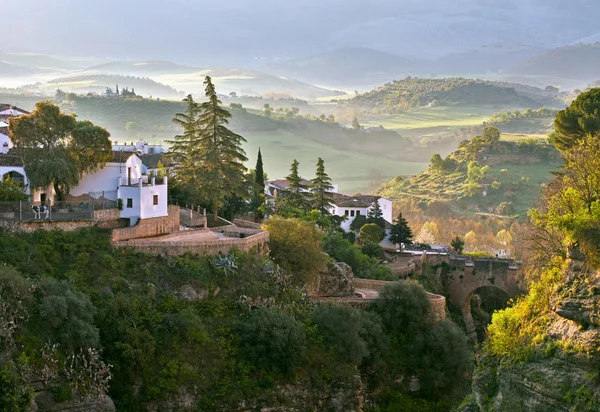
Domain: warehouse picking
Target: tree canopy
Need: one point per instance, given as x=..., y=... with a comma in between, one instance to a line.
x=581, y=118
x=58, y=150
x=321, y=189
x=401, y=232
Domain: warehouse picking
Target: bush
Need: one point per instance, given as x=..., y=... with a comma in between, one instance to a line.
x=371, y=233
x=354, y=335
x=506, y=209
x=404, y=308
x=273, y=340
x=373, y=250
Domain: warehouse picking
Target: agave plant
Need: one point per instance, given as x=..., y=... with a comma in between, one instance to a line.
x=226, y=264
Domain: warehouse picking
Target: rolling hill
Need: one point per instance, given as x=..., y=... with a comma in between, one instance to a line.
x=142, y=68
x=580, y=62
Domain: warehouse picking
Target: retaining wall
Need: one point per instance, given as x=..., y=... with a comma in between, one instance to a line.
x=246, y=224
x=107, y=219
x=149, y=227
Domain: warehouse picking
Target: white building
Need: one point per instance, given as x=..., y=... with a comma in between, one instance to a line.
x=353, y=206
x=121, y=178
x=7, y=111
x=140, y=147
x=275, y=187
x=12, y=166
x=5, y=142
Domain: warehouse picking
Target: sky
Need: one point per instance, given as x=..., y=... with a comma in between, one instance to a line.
x=233, y=32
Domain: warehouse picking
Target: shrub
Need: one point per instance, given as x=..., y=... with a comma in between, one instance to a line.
x=273, y=340
x=404, y=308
x=371, y=233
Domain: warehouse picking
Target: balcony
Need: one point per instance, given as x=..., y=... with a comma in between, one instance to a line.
x=143, y=181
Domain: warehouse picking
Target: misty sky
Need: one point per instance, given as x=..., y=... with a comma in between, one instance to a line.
x=241, y=31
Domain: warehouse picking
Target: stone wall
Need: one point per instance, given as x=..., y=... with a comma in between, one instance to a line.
x=246, y=224
x=258, y=243
x=107, y=219
x=149, y=227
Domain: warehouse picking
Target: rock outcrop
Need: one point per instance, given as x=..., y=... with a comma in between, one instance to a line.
x=336, y=281
x=565, y=376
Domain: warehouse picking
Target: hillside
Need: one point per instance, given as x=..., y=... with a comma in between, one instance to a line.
x=482, y=175
x=577, y=62
x=141, y=68
x=97, y=83
x=412, y=92
x=346, y=67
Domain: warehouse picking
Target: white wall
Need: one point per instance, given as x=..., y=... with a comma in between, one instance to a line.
x=384, y=204
x=386, y=208
x=105, y=179
x=5, y=139
x=7, y=169
x=142, y=201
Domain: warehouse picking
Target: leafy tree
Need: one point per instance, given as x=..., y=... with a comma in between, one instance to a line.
x=267, y=109
x=375, y=215
x=355, y=124
x=404, y=309
x=358, y=222
x=321, y=189
x=401, y=232
x=580, y=119
x=15, y=396
x=58, y=150
x=10, y=191
x=458, y=244
x=491, y=136
x=295, y=246
x=371, y=233
x=273, y=340
x=436, y=162
x=425, y=236
x=296, y=195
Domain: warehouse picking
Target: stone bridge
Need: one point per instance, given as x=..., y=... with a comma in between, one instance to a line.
x=466, y=276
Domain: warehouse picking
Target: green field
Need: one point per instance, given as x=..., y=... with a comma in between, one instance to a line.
x=352, y=171
x=431, y=117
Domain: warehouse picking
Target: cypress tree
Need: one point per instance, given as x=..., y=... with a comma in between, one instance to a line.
x=258, y=197
x=260, y=174
x=321, y=189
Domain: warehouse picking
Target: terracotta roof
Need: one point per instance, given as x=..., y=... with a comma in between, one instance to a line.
x=10, y=161
x=151, y=160
x=284, y=184
x=119, y=156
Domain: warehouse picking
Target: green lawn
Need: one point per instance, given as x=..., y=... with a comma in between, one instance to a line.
x=352, y=171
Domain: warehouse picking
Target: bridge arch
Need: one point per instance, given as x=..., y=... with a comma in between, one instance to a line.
x=465, y=277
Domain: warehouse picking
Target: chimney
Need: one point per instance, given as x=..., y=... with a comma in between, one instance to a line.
x=5, y=148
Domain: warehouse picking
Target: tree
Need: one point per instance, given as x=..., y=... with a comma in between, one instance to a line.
x=375, y=215
x=355, y=124
x=425, y=236
x=331, y=118
x=358, y=222
x=215, y=158
x=296, y=196
x=436, y=162
x=471, y=240
x=458, y=244
x=401, y=233
x=295, y=246
x=58, y=150
x=371, y=233
x=321, y=189
x=267, y=109
x=273, y=340
x=258, y=198
x=10, y=191
x=491, y=136
x=580, y=119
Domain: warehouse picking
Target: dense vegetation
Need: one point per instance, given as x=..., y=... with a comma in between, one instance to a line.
x=412, y=92
x=221, y=333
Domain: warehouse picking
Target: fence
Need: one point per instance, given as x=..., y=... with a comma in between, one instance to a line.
x=103, y=200
x=28, y=211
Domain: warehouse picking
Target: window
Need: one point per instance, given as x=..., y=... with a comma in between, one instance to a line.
x=352, y=213
x=358, y=213
x=129, y=203
x=155, y=200
x=346, y=212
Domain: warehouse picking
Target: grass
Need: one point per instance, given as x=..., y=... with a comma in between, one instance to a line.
x=515, y=137
x=352, y=171
x=431, y=117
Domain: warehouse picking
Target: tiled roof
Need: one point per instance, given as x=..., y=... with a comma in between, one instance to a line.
x=284, y=184
x=6, y=106
x=151, y=160
x=119, y=156
x=354, y=201
x=10, y=161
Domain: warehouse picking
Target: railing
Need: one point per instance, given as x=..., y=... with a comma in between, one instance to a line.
x=146, y=180
x=103, y=200
x=30, y=212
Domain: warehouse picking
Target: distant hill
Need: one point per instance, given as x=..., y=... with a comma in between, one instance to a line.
x=48, y=63
x=580, y=62
x=13, y=70
x=98, y=83
x=350, y=66
x=412, y=92
x=142, y=68
x=489, y=59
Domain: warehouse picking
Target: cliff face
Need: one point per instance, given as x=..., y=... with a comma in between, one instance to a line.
x=564, y=374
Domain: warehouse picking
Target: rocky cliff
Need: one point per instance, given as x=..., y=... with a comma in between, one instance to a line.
x=562, y=374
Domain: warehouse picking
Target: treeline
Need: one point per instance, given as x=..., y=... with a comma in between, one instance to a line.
x=507, y=116
x=412, y=92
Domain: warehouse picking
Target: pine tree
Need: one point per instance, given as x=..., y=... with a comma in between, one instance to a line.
x=375, y=215
x=401, y=232
x=296, y=195
x=184, y=147
x=219, y=153
x=321, y=189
